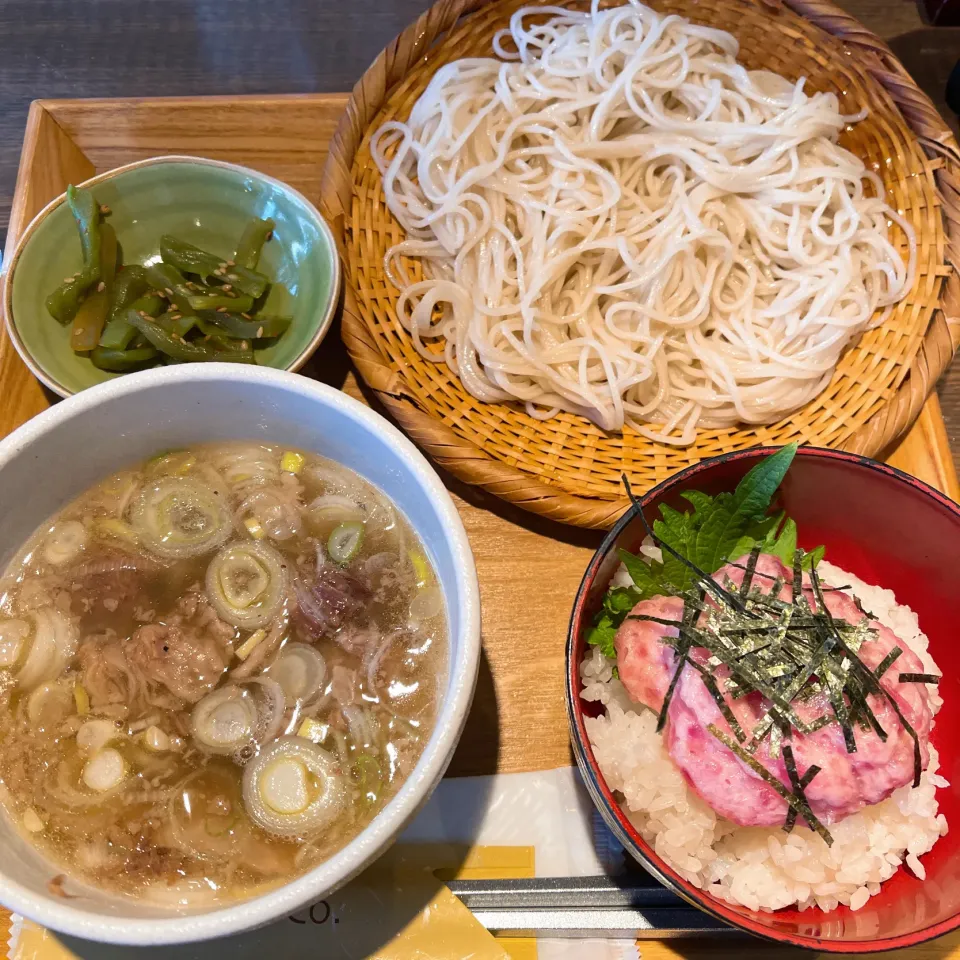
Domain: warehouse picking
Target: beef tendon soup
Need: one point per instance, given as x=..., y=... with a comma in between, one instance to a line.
x=215, y=668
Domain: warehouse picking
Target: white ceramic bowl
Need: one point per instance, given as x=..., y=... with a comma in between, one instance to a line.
x=66, y=449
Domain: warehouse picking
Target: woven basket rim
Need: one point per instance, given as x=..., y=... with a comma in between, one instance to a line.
x=468, y=461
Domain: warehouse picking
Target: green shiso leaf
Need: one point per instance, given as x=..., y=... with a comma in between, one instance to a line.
x=720, y=529
x=679, y=530
x=755, y=491
x=647, y=576
x=702, y=502
x=617, y=603
x=785, y=544
x=814, y=557
x=601, y=635
x=725, y=527
x=621, y=600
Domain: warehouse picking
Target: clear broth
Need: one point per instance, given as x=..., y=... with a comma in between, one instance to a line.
x=142, y=642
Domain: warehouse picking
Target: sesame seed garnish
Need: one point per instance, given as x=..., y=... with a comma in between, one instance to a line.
x=227, y=286
x=231, y=263
x=168, y=291
x=221, y=309
x=69, y=279
x=232, y=276
x=176, y=316
x=101, y=286
x=246, y=316
x=259, y=332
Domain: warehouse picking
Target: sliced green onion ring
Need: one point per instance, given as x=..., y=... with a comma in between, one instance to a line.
x=49, y=705
x=64, y=542
x=179, y=517
x=247, y=583
x=236, y=717
x=50, y=648
x=105, y=770
x=293, y=788
x=345, y=541
x=426, y=604
x=13, y=634
x=95, y=734
x=300, y=670
x=330, y=509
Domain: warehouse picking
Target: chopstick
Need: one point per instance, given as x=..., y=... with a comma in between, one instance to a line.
x=578, y=907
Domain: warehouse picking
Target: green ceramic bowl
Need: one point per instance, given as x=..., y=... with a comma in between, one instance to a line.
x=205, y=202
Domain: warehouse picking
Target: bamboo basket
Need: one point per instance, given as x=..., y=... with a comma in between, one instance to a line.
x=567, y=468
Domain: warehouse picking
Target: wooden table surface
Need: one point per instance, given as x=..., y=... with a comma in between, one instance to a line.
x=61, y=48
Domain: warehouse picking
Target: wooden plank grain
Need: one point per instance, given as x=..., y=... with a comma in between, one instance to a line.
x=925, y=451
x=282, y=136
x=49, y=161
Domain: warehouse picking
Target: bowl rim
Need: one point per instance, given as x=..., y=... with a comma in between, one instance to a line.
x=594, y=781
x=344, y=865
x=9, y=267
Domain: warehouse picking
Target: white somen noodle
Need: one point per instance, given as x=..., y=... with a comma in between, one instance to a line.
x=617, y=219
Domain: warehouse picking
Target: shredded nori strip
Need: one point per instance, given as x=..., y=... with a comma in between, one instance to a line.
x=794, y=800
x=919, y=678
x=887, y=662
x=826, y=589
x=797, y=578
x=799, y=783
x=691, y=612
x=878, y=688
x=835, y=690
x=751, y=570
x=852, y=670
x=710, y=682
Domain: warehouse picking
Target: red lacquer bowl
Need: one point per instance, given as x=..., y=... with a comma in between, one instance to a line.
x=887, y=528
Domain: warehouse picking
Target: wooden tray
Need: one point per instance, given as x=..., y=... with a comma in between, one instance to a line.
x=529, y=567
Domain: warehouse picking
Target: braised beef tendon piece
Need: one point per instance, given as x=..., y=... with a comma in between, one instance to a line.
x=188, y=653
x=328, y=598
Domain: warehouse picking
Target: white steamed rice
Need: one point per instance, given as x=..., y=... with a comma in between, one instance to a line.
x=763, y=868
